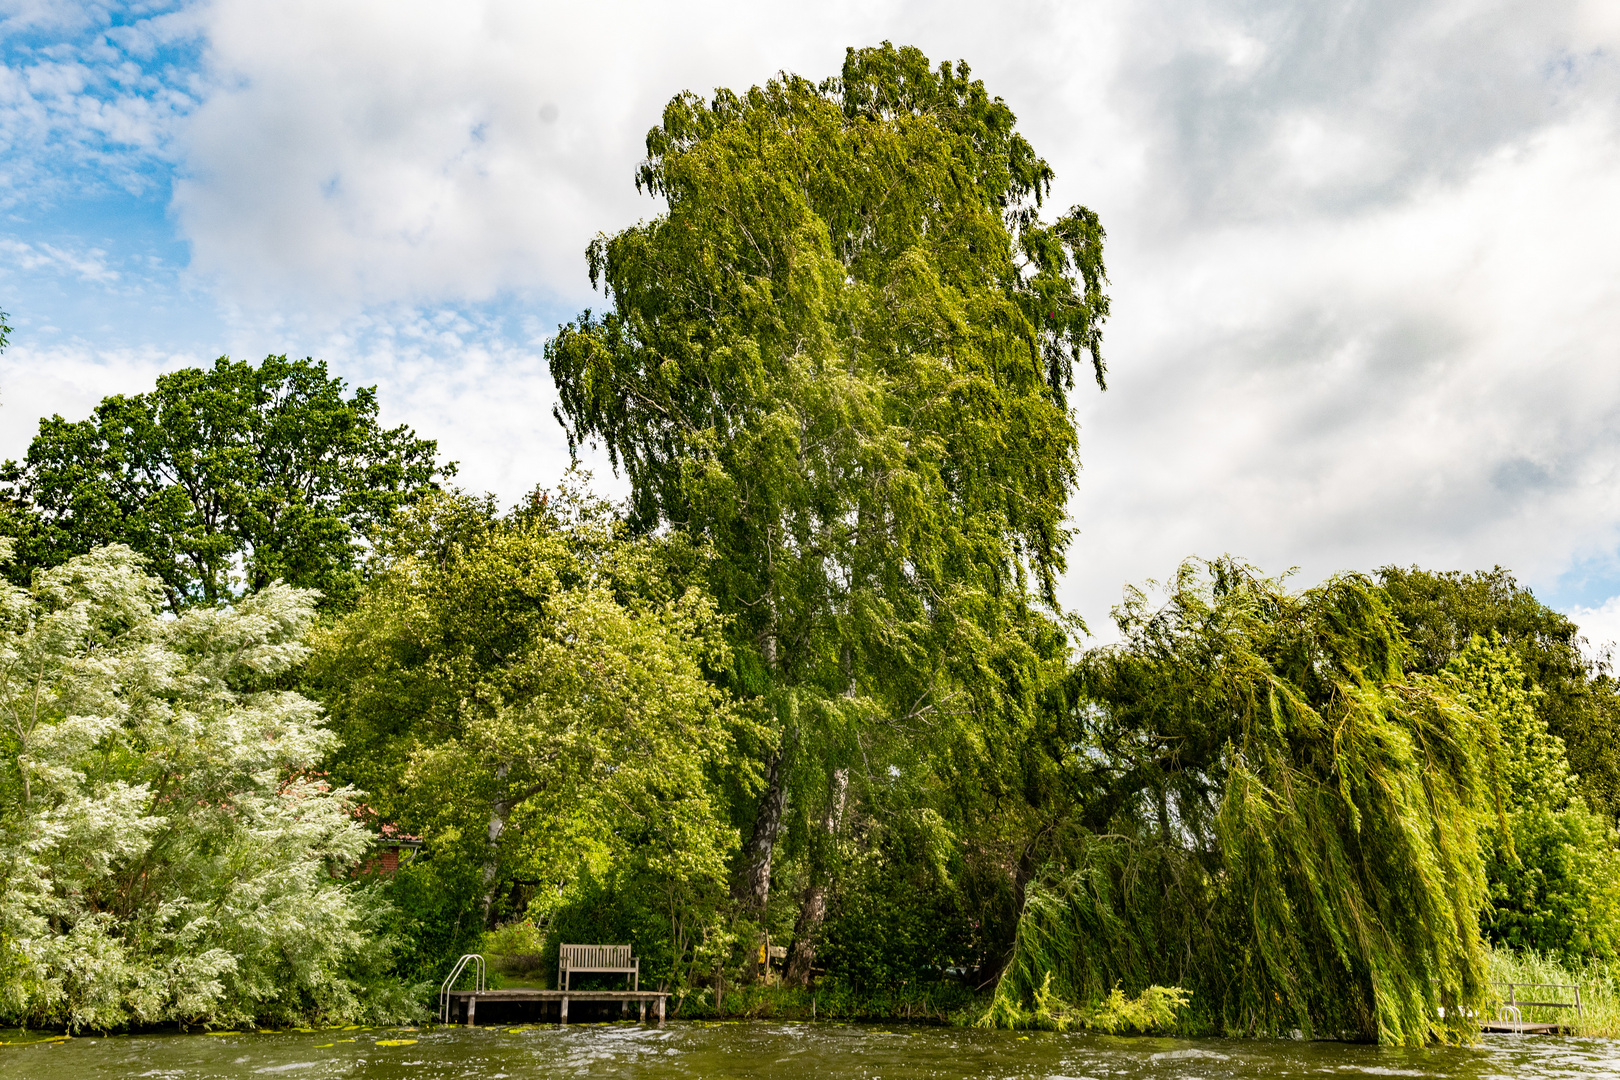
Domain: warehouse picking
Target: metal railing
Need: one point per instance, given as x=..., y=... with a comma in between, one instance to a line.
x=479, y=984
x=1516, y=1005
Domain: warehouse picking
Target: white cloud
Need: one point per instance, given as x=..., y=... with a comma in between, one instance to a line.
x=384, y=151
x=68, y=381
x=1365, y=258
x=86, y=265
x=1600, y=626
x=77, y=112
x=1432, y=382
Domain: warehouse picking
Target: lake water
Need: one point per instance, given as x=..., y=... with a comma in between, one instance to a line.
x=759, y=1049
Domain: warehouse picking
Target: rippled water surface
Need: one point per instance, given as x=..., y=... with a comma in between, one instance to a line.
x=836, y=1052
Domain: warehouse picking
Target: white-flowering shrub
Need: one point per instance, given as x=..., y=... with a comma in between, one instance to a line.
x=168, y=849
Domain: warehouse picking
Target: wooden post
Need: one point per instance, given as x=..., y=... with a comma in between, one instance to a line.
x=660, y=1010
x=472, y=1008
x=643, y=1004
x=565, y=1009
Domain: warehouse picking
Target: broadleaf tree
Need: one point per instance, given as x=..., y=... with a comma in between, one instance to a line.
x=1578, y=698
x=224, y=478
x=509, y=680
x=841, y=359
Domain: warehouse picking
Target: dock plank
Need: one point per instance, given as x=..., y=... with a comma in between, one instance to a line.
x=1514, y=1027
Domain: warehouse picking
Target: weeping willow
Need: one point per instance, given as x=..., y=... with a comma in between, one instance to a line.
x=1257, y=804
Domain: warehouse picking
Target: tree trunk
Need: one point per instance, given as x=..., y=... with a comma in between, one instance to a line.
x=755, y=892
x=813, y=911
x=499, y=813
x=756, y=883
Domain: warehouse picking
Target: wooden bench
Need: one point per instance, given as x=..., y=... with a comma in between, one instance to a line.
x=612, y=959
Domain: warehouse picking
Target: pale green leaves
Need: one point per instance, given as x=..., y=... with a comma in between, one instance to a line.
x=166, y=852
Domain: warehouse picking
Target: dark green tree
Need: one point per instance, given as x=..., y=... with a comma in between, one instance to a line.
x=841, y=359
x=225, y=479
x=1579, y=700
x=1249, y=797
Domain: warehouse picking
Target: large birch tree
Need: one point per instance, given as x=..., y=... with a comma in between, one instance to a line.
x=841, y=358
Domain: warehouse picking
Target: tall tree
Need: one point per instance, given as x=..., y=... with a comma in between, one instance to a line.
x=224, y=479
x=168, y=851
x=842, y=358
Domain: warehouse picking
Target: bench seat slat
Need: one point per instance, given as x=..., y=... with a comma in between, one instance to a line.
x=606, y=959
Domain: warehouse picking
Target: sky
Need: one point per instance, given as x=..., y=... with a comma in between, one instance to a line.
x=1364, y=257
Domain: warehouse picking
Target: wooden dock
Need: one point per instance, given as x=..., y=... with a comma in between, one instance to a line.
x=463, y=1004
x=1515, y=1027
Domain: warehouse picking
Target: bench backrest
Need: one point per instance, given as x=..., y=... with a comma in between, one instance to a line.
x=598, y=957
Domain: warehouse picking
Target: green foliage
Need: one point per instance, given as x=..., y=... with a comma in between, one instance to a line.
x=515, y=939
x=167, y=851
x=841, y=360
x=898, y=917
x=920, y=1001
x=528, y=690
x=1553, y=866
x=1578, y=700
x=269, y=472
x=841, y=356
x=1263, y=807
x=1153, y=1010
x=1555, y=884
x=433, y=915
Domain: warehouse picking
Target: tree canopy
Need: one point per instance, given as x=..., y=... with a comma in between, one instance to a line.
x=1578, y=698
x=507, y=680
x=840, y=359
x=224, y=479
x=1250, y=798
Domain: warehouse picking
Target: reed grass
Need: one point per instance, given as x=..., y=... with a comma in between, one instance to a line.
x=1599, y=981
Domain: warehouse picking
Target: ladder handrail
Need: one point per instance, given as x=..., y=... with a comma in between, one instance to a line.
x=450, y=981
x=1514, y=987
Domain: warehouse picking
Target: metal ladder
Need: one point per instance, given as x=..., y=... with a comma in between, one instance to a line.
x=450, y=981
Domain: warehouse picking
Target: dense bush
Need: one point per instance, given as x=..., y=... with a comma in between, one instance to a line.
x=169, y=850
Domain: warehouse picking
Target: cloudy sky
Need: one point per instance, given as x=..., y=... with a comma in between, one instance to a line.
x=1365, y=256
